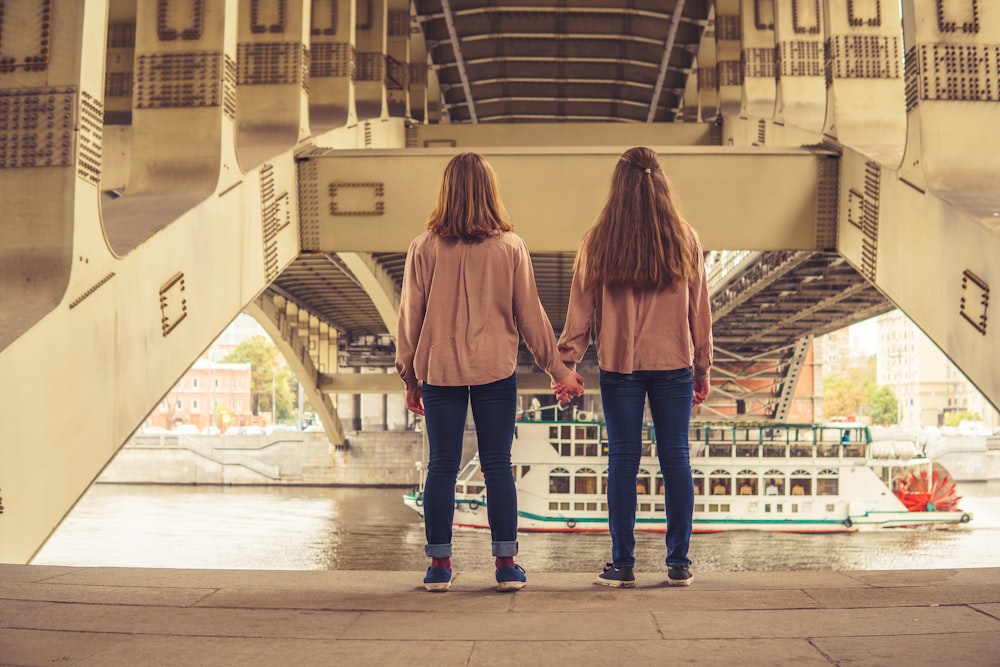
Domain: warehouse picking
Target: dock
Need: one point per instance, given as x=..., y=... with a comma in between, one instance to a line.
x=137, y=616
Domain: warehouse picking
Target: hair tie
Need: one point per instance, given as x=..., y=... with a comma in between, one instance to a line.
x=648, y=171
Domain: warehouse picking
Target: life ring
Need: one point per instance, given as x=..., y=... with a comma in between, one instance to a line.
x=571, y=523
x=473, y=504
x=965, y=518
x=419, y=502
x=848, y=522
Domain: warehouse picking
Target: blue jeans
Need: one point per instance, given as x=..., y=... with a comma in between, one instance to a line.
x=624, y=397
x=494, y=406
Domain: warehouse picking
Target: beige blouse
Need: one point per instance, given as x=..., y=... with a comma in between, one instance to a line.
x=641, y=330
x=462, y=308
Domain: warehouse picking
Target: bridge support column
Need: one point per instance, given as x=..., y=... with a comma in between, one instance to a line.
x=310, y=348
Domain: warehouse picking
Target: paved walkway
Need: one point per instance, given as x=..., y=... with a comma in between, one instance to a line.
x=118, y=616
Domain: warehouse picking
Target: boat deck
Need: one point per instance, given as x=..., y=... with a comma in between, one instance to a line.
x=110, y=616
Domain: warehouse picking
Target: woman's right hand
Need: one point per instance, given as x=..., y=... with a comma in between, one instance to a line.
x=415, y=400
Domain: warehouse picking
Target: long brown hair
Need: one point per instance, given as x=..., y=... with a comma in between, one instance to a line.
x=468, y=204
x=639, y=239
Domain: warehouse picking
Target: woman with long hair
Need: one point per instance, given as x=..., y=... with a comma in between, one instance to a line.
x=640, y=278
x=468, y=294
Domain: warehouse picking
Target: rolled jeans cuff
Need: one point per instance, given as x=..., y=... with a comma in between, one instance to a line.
x=438, y=550
x=505, y=549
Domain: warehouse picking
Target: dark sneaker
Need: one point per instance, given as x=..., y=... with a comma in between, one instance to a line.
x=438, y=579
x=679, y=576
x=616, y=577
x=510, y=578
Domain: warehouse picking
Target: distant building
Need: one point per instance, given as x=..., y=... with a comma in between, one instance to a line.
x=209, y=394
x=927, y=384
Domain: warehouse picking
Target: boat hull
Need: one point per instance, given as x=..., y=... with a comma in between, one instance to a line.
x=471, y=513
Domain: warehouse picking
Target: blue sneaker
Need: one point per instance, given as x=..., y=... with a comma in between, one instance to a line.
x=437, y=579
x=510, y=578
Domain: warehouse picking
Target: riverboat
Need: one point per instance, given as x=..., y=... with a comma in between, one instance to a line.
x=801, y=478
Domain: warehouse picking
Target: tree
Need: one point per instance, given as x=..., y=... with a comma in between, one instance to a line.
x=266, y=380
x=843, y=396
x=884, y=408
x=956, y=418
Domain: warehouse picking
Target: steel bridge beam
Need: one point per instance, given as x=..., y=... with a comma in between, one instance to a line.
x=377, y=200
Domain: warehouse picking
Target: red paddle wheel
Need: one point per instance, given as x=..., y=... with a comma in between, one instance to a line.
x=927, y=493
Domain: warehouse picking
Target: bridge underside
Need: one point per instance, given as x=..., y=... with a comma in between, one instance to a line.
x=166, y=164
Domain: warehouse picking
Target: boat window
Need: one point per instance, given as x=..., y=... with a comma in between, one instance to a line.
x=475, y=488
x=660, y=486
x=643, y=483
x=746, y=483
x=559, y=480
x=524, y=470
x=856, y=450
x=585, y=481
x=699, y=482
x=553, y=433
x=828, y=450
x=827, y=483
x=660, y=507
x=720, y=449
x=775, y=450
x=720, y=483
x=745, y=449
x=647, y=434
x=802, y=450
x=774, y=483
x=586, y=449
x=800, y=483
x=699, y=507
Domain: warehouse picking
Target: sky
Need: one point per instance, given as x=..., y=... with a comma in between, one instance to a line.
x=864, y=337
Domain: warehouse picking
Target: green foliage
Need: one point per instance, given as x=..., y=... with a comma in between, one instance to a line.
x=266, y=380
x=956, y=418
x=884, y=406
x=858, y=394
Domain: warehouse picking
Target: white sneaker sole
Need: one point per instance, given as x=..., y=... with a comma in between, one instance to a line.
x=439, y=587
x=506, y=586
x=614, y=584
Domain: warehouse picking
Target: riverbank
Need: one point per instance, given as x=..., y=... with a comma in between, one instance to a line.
x=367, y=458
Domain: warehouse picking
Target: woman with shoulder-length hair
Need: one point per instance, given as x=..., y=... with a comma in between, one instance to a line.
x=640, y=276
x=468, y=294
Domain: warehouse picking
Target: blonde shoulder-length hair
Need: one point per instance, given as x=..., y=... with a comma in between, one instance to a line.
x=639, y=239
x=468, y=205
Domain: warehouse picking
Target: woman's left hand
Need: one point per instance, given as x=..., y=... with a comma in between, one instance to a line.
x=700, y=391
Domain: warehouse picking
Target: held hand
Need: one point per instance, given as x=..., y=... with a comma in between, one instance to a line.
x=415, y=400
x=570, y=389
x=700, y=391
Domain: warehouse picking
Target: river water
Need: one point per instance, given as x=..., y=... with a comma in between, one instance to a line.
x=288, y=528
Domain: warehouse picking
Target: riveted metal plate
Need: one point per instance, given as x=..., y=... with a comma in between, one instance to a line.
x=361, y=199
x=173, y=305
x=331, y=59
x=36, y=127
x=975, y=300
x=178, y=80
x=262, y=63
x=88, y=166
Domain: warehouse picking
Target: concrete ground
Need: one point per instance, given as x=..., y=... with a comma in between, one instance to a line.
x=119, y=616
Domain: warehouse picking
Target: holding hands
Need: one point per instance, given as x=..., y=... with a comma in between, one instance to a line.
x=569, y=388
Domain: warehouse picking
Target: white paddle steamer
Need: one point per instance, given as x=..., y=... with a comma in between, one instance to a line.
x=801, y=478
